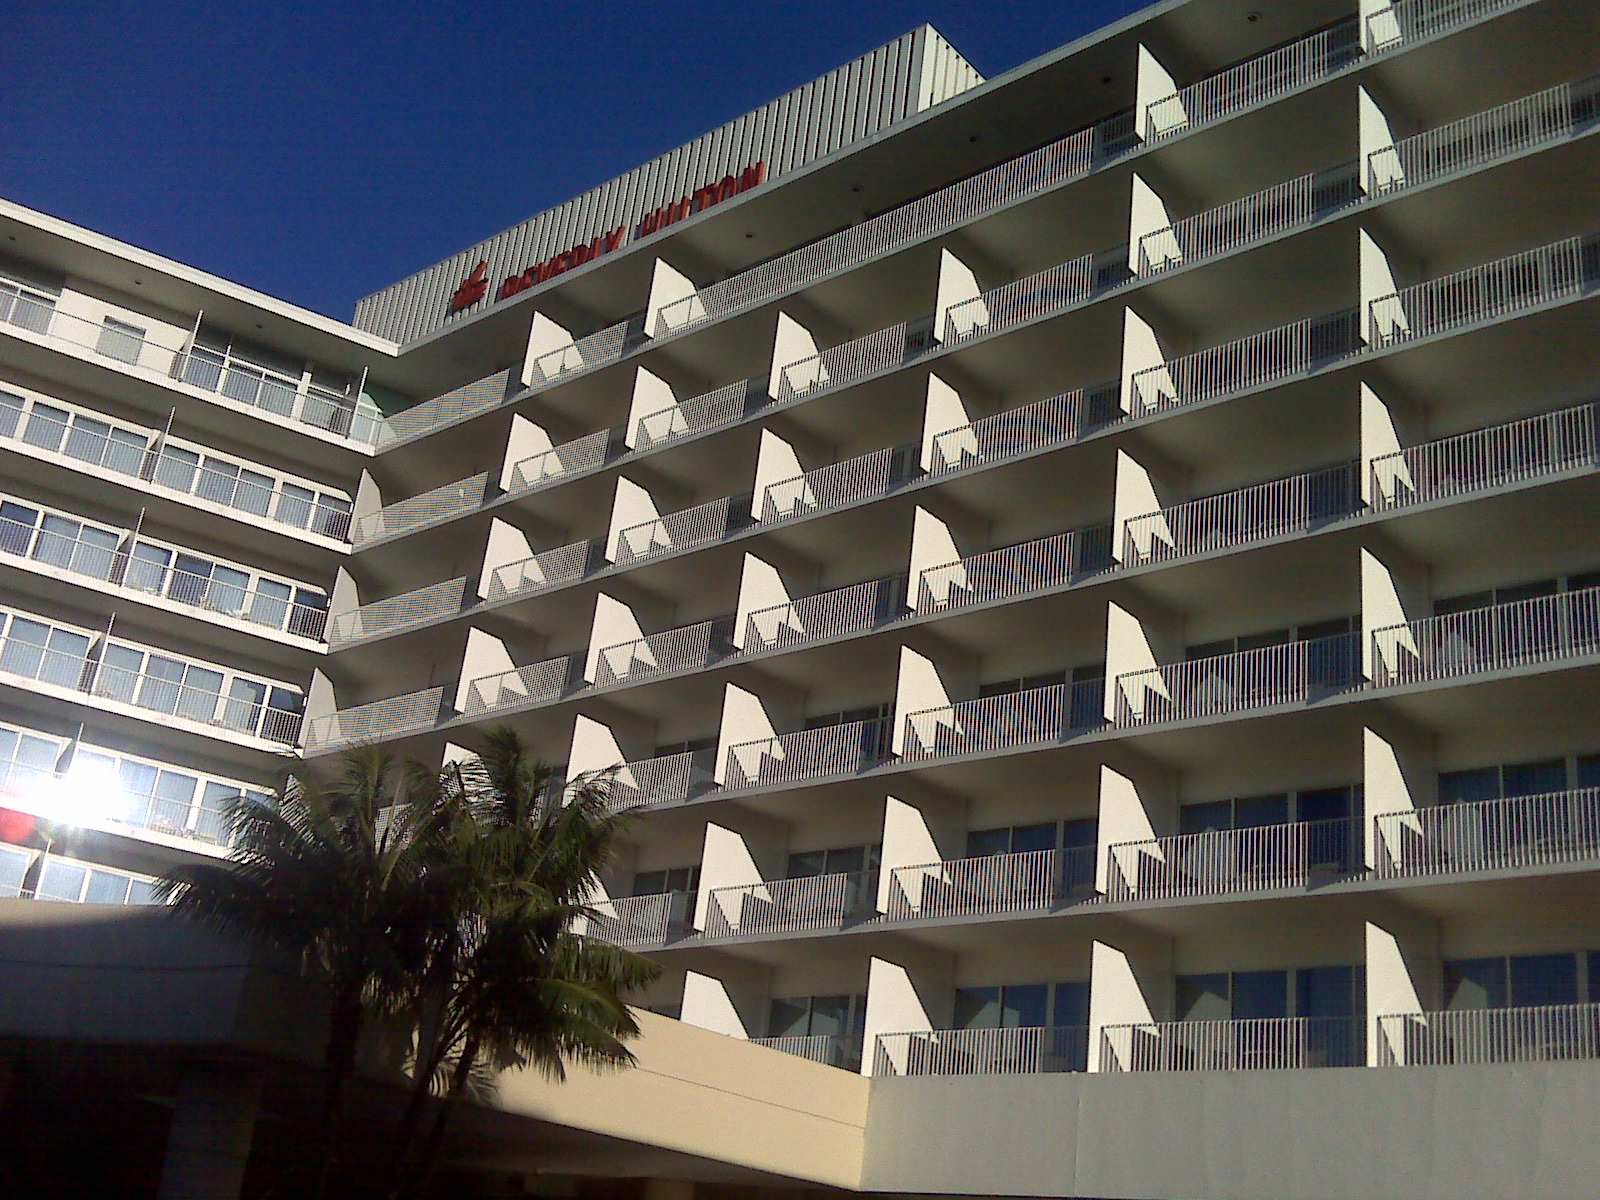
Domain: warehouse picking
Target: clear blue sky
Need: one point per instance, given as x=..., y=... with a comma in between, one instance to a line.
x=321, y=150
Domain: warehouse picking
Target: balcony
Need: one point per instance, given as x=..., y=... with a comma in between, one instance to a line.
x=663, y=781
x=1489, y=835
x=394, y=717
x=1297, y=505
x=69, y=881
x=1491, y=291
x=811, y=619
x=1487, y=459
x=1015, y=1051
x=849, y=482
x=702, y=525
x=1038, y=716
x=686, y=649
x=1034, y=880
x=872, y=354
x=418, y=512
x=638, y=922
x=1254, y=1044
x=789, y=905
x=808, y=754
x=1293, y=673
x=1494, y=638
x=711, y=410
x=1042, y=294
x=1225, y=862
x=577, y=457
x=399, y=612
x=1056, y=561
x=830, y=1049
x=1482, y=1036
x=546, y=570
x=532, y=684
x=585, y=354
x=1029, y=429
x=1409, y=21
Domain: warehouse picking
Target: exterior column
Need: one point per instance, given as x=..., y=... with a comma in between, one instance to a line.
x=958, y=288
x=1130, y=984
x=1142, y=352
x=946, y=427
x=1148, y=216
x=669, y=286
x=919, y=828
x=208, y=1144
x=911, y=992
x=1152, y=83
x=1138, y=806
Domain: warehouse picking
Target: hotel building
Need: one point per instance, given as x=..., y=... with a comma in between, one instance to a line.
x=1089, y=581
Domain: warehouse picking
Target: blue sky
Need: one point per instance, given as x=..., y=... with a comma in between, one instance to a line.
x=321, y=150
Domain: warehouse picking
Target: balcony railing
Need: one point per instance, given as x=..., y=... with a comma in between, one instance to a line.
x=533, y=684
x=480, y=396
x=1250, y=219
x=418, y=512
x=784, y=905
x=1412, y=20
x=1299, y=504
x=1057, y=421
x=995, y=883
x=1252, y=1044
x=1038, y=295
x=712, y=410
x=1548, y=116
x=1256, y=80
x=845, y=610
x=701, y=525
x=399, y=612
x=1249, y=362
x=1028, y=1050
x=808, y=754
x=1486, y=459
x=669, y=779
x=836, y=485
x=1293, y=673
x=393, y=717
x=1487, y=835
x=882, y=350
x=561, y=462
x=545, y=570
x=1047, y=562
x=639, y=922
x=1483, y=1036
x=585, y=354
x=1541, y=629
x=1487, y=292
x=685, y=649
x=830, y=1049
x=1038, y=716
x=1224, y=861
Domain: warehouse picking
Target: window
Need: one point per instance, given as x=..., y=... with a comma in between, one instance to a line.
x=1254, y=995
x=1276, y=808
x=38, y=651
x=1521, y=981
x=1063, y=1005
x=102, y=444
x=818, y=1016
x=849, y=716
x=669, y=879
x=1510, y=780
x=11, y=409
x=25, y=307
x=1021, y=839
x=845, y=860
x=121, y=341
x=25, y=759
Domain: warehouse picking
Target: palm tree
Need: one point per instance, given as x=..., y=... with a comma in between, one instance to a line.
x=507, y=981
x=337, y=877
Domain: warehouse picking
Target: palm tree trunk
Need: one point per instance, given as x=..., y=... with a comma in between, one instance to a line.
x=431, y=1045
x=421, y=1175
x=339, y=1064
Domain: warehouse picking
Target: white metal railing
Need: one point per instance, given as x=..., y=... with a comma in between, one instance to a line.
x=1412, y=20
x=545, y=570
x=560, y=462
x=1024, y=1050
x=638, y=921
x=683, y=530
x=784, y=905
x=585, y=354
x=1482, y=1036
x=1249, y=219
x=532, y=684
x=1488, y=291
x=1026, y=430
x=417, y=512
x=1047, y=562
x=393, y=717
x=479, y=396
x=1032, y=174
x=993, y=883
x=830, y=1049
x=815, y=618
x=835, y=485
x=1223, y=861
x=1040, y=294
x=807, y=754
x=711, y=410
x=1248, y=362
x=1298, y=504
x=881, y=350
x=1028, y=718
x=1481, y=835
x=1249, y=1044
x=1541, y=629
x=1487, y=458
x=1292, y=673
x=685, y=649
x=668, y=779
x=399, y=612
x=1254, y=81
x=1548, y=116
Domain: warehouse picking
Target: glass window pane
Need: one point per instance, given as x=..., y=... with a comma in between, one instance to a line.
x=789, y=1018
x=1071, y=1006
x=847, y=860
x=106, y=888
x=47, y=427
x=254, y=494
x=295, y=504
x=649, y=883
x=125, y=452
x=984, y=842
x=807, y=864
x=977, y=1008
x=1325, y=804
x=141, y=892
x=1535, y=778
x=1539, y=979
x=1260, y=994
x=11, y=409
x=1474, y=983
x=1254, y=812
x=1464, y=787
x=1025, y=838
x=1325, y=992
x=1024, y=1006
x=830, y=1015
x=121, y=341
x=87, y=438
x=61, y=881
x=1203, y=998
x=176, y=468
x=1206, y=818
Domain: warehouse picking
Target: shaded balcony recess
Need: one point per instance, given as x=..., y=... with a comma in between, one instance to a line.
x=1020, y=1050
x=1221, y=862
x=787, y=905
x=1493, y=638
x=996, y=883
x=1250, y=1044
x=1482, y=1036
x=1489, y=835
